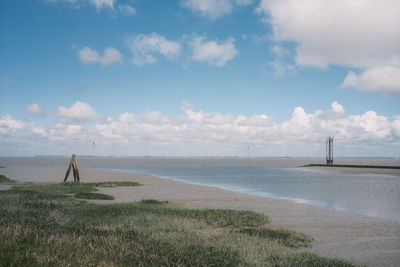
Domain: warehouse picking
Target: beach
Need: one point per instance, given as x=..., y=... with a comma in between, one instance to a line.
x=358, y=238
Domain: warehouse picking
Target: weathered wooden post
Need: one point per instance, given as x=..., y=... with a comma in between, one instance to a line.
x=74, y=165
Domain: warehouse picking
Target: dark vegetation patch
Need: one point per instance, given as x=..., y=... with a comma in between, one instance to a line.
x=287, y=237
x=94, y=196
x=5, y=180
x=113, y=184
x=56, y=188
x=153, y=201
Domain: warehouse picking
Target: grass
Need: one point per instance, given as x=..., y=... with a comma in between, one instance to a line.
x=113, y=184
x=93, y=196
x=6, y=180
x=44, y=225
x=65, y=188
x=153, y=201
x=286, y=237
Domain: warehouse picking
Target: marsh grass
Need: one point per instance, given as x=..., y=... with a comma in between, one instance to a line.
x=153, y=201
x=287, y=237
x=44, y=225
x=93, y=196
x=6, y=180
x=113, y=184
x=63, y=188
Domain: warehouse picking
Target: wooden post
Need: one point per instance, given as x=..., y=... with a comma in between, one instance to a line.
x=74, y=165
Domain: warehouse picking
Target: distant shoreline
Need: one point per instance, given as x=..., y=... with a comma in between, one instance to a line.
x=353, y=166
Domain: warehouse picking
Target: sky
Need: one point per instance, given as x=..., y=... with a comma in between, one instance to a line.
x=199, y=77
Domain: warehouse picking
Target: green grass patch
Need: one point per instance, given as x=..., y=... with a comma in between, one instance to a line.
x=113, y=184
x=306, y=259
x=56, y=188
x=44, y=225
x=287, y=237
x=5, y=180
x=65, y=188
x=94, y=196
x=153, y=201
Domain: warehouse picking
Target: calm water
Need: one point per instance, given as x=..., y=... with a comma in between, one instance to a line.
x=371, y=194
x=365, y=194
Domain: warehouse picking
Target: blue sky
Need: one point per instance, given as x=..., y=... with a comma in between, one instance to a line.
x=192, y=70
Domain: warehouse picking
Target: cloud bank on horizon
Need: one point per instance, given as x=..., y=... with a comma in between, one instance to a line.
x=197, y=133
x=357, y=41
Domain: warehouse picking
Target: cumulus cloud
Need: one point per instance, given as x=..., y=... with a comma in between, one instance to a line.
x=336, y=107
x=34, y=108
x=110, y=56
x=379, y=79
x=209, y=8
x=79, y=111
x=207, y=133
x=281, y=63
x=357, y=34
x=145, y=48
x=99, y=4
x=217, y=54
x=8, y=124
x=213, y=9
x=103, y=3
x=110, y=5
x=127, y=10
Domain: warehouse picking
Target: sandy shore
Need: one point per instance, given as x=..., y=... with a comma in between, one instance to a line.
x=358, y=238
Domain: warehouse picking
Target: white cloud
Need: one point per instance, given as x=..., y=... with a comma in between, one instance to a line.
x=157, y=118
x=214, y=9
x=211, y=9
x=34, y=108
x=381, y=79
x=197, y=132
x=110, y=56
x=212, y=52
x=336, y=107
x=99, y=4
x=357, y=34
x=396, y=127
x=281, y=63
x=127, y=10
x=145, y=47
x=103, y=3
x=7, y=124
x=79, y=112
x=39, y=131
x=350, y=33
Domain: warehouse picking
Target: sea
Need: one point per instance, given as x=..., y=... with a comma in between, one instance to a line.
x=282, y=178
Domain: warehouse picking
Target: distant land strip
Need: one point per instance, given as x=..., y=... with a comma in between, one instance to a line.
x=353, y=166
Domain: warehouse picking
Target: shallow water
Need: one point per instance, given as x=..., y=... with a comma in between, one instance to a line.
x=366, y=194
x=371, y=194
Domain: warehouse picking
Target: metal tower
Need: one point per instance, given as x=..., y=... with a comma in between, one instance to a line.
x=329, y=150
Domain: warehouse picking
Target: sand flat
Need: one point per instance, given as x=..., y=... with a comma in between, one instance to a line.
x=361, y=239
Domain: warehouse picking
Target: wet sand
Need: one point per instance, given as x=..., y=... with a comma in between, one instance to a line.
x=361, y=239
